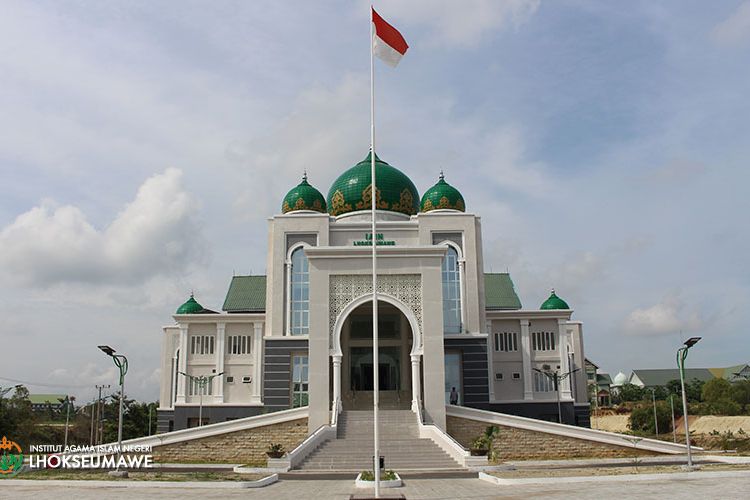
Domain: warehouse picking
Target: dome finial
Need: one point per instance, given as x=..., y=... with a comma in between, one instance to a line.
x=304, y=175
x=552, y=290
x=442, y=177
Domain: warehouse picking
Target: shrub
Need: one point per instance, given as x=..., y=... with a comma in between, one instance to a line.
x=642, y=418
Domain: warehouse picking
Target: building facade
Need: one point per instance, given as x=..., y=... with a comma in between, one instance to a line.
x=302, y=334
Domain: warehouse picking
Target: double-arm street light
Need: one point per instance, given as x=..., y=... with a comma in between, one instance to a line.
x=201, y=381
x=121, y=362
x=682, y=354
x=556, y=377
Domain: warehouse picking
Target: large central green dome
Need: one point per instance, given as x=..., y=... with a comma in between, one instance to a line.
x=352, y=191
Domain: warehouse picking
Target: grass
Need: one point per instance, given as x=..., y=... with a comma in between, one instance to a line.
x=98, y=475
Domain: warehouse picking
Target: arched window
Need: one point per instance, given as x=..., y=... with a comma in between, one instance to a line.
x=300, y=293
x=451, y=292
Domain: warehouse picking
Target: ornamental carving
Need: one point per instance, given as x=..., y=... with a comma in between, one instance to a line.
x=366, y=202
x=338, y=204
x=405, y=204
x=345, y=288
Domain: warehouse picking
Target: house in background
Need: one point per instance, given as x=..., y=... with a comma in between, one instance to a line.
x=40, y=402
x=662, y=376
x=599, y=384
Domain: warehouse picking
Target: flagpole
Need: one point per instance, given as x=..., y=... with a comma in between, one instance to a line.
x=373, y=195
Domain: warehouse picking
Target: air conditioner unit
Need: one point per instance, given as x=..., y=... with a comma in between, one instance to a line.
x=247, y=379
x=546, y=368
x=498, y=376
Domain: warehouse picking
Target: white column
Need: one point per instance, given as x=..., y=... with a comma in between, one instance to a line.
x=461, y=282
x=528, y=391
x=336, y=358
x=257, y=362
x=219, y=381
x=182, y=365
x=288, y=302
x=416, y=387
x=565, y=385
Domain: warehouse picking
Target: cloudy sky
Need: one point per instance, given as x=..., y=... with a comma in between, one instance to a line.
x=144, y=144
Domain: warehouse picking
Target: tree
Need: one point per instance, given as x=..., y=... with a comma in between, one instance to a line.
x=642, y=418
x=674, y=387
x=16, y=417
x=741, y=394
x=694, y=390
x=631, y=392
x=715, y=390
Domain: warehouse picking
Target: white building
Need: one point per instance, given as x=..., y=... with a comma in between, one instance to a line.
x=302, y=334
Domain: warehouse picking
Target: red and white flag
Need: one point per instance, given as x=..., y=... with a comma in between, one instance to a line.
x=387, y=42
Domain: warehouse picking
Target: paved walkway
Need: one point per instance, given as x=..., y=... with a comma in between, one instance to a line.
x=699, y=485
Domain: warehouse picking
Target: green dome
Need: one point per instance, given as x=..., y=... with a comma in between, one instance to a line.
x=190, y=307
x=352, y=191
x=442, y=196
x=554, y=302
x=303, y=197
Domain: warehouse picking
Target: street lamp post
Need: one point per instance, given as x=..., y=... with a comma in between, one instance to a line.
x=671, y=405
x=121, y=362
x=202, y=381
x=68, y=401
x=656, y=421
x=682, y=353
x=556, y=377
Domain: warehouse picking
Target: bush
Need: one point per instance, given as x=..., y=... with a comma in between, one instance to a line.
x=642, y=418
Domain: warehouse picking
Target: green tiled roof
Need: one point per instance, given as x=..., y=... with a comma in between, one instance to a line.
x=246, y=294
x=499, y=292
x=660, y=377
x=43, y=399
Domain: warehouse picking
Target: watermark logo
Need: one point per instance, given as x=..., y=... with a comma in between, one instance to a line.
x=11, y=460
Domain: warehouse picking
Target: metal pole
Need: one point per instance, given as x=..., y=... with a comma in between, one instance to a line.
x=681, y=355
x=656, y=421
x=557, y=390
x=674, y=431
x=67, y=420
x=119, y=425
x=201, y=385
x=149, y=419
x=373, y=193
x=91, y=439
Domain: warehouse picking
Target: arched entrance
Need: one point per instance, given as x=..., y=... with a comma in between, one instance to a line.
x=398, y=364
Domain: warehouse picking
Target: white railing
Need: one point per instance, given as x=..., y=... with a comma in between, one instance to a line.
x=570, y=431
x=297, y=455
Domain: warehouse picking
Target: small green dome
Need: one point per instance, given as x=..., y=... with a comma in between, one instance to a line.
x=554, y=302
x=352, y=191
x=442, y=196
x=190, y=307
x=303, y=197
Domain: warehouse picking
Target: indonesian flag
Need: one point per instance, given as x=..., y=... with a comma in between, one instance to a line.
x=387, y=42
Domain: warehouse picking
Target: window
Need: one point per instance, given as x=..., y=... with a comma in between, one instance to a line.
x=201, y=344
x=451, y=292
x=506, y=341
x=498, y=376
x=543, y=341
x=299, y=380
x=543, y=383
x=230, y=380
x=516, y=376
x=300, y=293
x=239, y=344
x=194, y=387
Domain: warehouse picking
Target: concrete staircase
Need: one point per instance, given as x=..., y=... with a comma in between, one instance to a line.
x=400, y=444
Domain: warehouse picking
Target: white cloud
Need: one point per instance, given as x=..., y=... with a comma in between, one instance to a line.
x=156, y=233
x=668, y=316
x=734, y=30
x=462, y=23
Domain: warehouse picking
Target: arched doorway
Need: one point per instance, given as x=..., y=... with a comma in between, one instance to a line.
x=395, y=358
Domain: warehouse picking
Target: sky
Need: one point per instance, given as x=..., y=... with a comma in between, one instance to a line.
x=143, y=145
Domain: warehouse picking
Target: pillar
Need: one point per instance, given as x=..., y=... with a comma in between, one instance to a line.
x=182, y=365
x=257, y=361
x=220, y=348
x=565, y=392
x=336, y=358
x=415, y=385
x=528, y=389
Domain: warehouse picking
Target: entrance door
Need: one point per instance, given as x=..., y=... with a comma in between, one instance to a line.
x=453, y=376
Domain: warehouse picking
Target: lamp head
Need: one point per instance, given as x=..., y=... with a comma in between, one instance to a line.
x=107, y=350
x=691, y=342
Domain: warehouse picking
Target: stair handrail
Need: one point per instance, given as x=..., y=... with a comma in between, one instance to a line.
x=335, y=412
